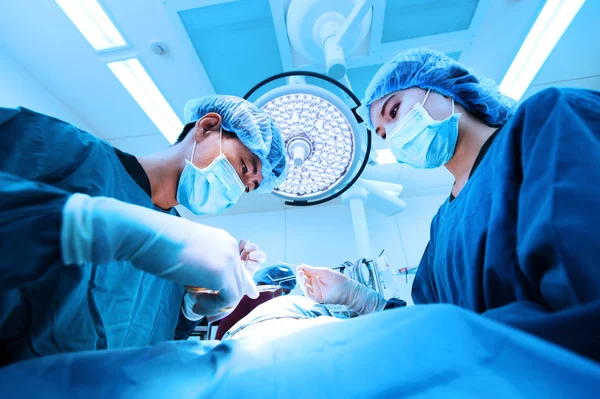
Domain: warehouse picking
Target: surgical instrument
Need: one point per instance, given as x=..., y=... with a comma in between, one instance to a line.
x=207, y=291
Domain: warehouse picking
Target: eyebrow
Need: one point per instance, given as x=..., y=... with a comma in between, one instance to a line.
x=385, y=104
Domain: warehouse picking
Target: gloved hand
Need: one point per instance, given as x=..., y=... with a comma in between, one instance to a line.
x=101, y=230
x=324, y=285
x=194, y=305
x=252, y=255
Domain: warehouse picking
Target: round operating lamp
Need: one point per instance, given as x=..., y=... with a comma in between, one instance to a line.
x=326, y=143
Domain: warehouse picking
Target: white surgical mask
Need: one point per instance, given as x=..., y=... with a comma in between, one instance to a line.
x=211, y=189
x=420, y=141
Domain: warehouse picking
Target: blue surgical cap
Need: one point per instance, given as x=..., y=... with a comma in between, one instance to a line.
x=255, y=129
x=275, y=272
x=430, y=69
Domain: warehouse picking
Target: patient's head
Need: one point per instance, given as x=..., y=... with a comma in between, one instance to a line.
x=270, y=275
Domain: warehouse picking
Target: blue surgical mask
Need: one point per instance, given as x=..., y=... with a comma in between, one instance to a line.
x=211, y=189
x=420, y=141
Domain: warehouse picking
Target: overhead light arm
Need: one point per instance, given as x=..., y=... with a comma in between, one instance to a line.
x=353, y=20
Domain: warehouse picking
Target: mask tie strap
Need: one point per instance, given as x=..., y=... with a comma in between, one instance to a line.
x=220, y=140
x=452, y=105
x=193, y=149
x=426, y=95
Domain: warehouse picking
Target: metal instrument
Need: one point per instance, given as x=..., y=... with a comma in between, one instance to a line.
x=207, y=291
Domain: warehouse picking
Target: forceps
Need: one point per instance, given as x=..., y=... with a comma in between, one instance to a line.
x=208, y=291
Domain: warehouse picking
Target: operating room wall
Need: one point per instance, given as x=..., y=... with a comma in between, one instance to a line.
x=324, y=235
x=19, y=88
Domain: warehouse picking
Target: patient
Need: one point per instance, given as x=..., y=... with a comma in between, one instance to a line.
x=279, y=317
x=272, y=276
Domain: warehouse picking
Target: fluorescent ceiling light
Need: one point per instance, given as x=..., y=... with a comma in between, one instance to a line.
x=385, y=157
x=547, y=30
x=93, y=23
x=141, y=87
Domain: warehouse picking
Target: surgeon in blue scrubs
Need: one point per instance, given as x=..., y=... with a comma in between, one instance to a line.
x=517, y=239
x=92, y=253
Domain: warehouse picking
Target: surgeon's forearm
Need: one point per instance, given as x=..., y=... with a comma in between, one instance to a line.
x=364, y=300
x=30, y=224
x=102, y=230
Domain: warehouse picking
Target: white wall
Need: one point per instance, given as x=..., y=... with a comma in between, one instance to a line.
x=324, y=236
x=140, y=145
x=19, y=88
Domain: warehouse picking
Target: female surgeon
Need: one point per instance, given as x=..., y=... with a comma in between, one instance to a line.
x=517, y=239
x=92, y=255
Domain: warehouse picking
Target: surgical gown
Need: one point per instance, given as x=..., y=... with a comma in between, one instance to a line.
x=45, y=306
x=520, y=243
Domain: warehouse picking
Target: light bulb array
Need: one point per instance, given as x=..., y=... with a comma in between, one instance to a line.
x=330, y=134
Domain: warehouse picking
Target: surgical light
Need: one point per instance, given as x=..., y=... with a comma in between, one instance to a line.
x=550, y=25
x=93, y=23
x=319, y=142
x=326, y=147
x=135, y=79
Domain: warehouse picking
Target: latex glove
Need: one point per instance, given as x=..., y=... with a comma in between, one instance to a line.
x=196, y=306
x=102, y=230
x=193, y=307
x=252, y=255
x=324, y=285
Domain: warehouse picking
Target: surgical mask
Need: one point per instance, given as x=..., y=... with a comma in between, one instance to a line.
x=211, y=189
x=420, y=141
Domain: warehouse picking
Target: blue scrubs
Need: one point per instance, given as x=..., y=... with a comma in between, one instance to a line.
x=520, y=243
x=45, y=306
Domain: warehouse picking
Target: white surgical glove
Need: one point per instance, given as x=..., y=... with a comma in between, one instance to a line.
x=193, y=307
x=253, y=257
x=102, y=230
x=324, y=285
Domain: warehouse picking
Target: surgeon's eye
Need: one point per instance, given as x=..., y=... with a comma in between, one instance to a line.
x=244, y=168
x=394, y=111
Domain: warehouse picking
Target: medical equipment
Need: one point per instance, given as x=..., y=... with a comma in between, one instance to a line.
x=329, y=31
x=206, y=291
x=341, y=268
x=326, y=145
x=406, y=271
x=281, y=280
x=199, y=290
x=366, y=272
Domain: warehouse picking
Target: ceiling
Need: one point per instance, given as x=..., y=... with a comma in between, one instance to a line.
x=227, y=46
